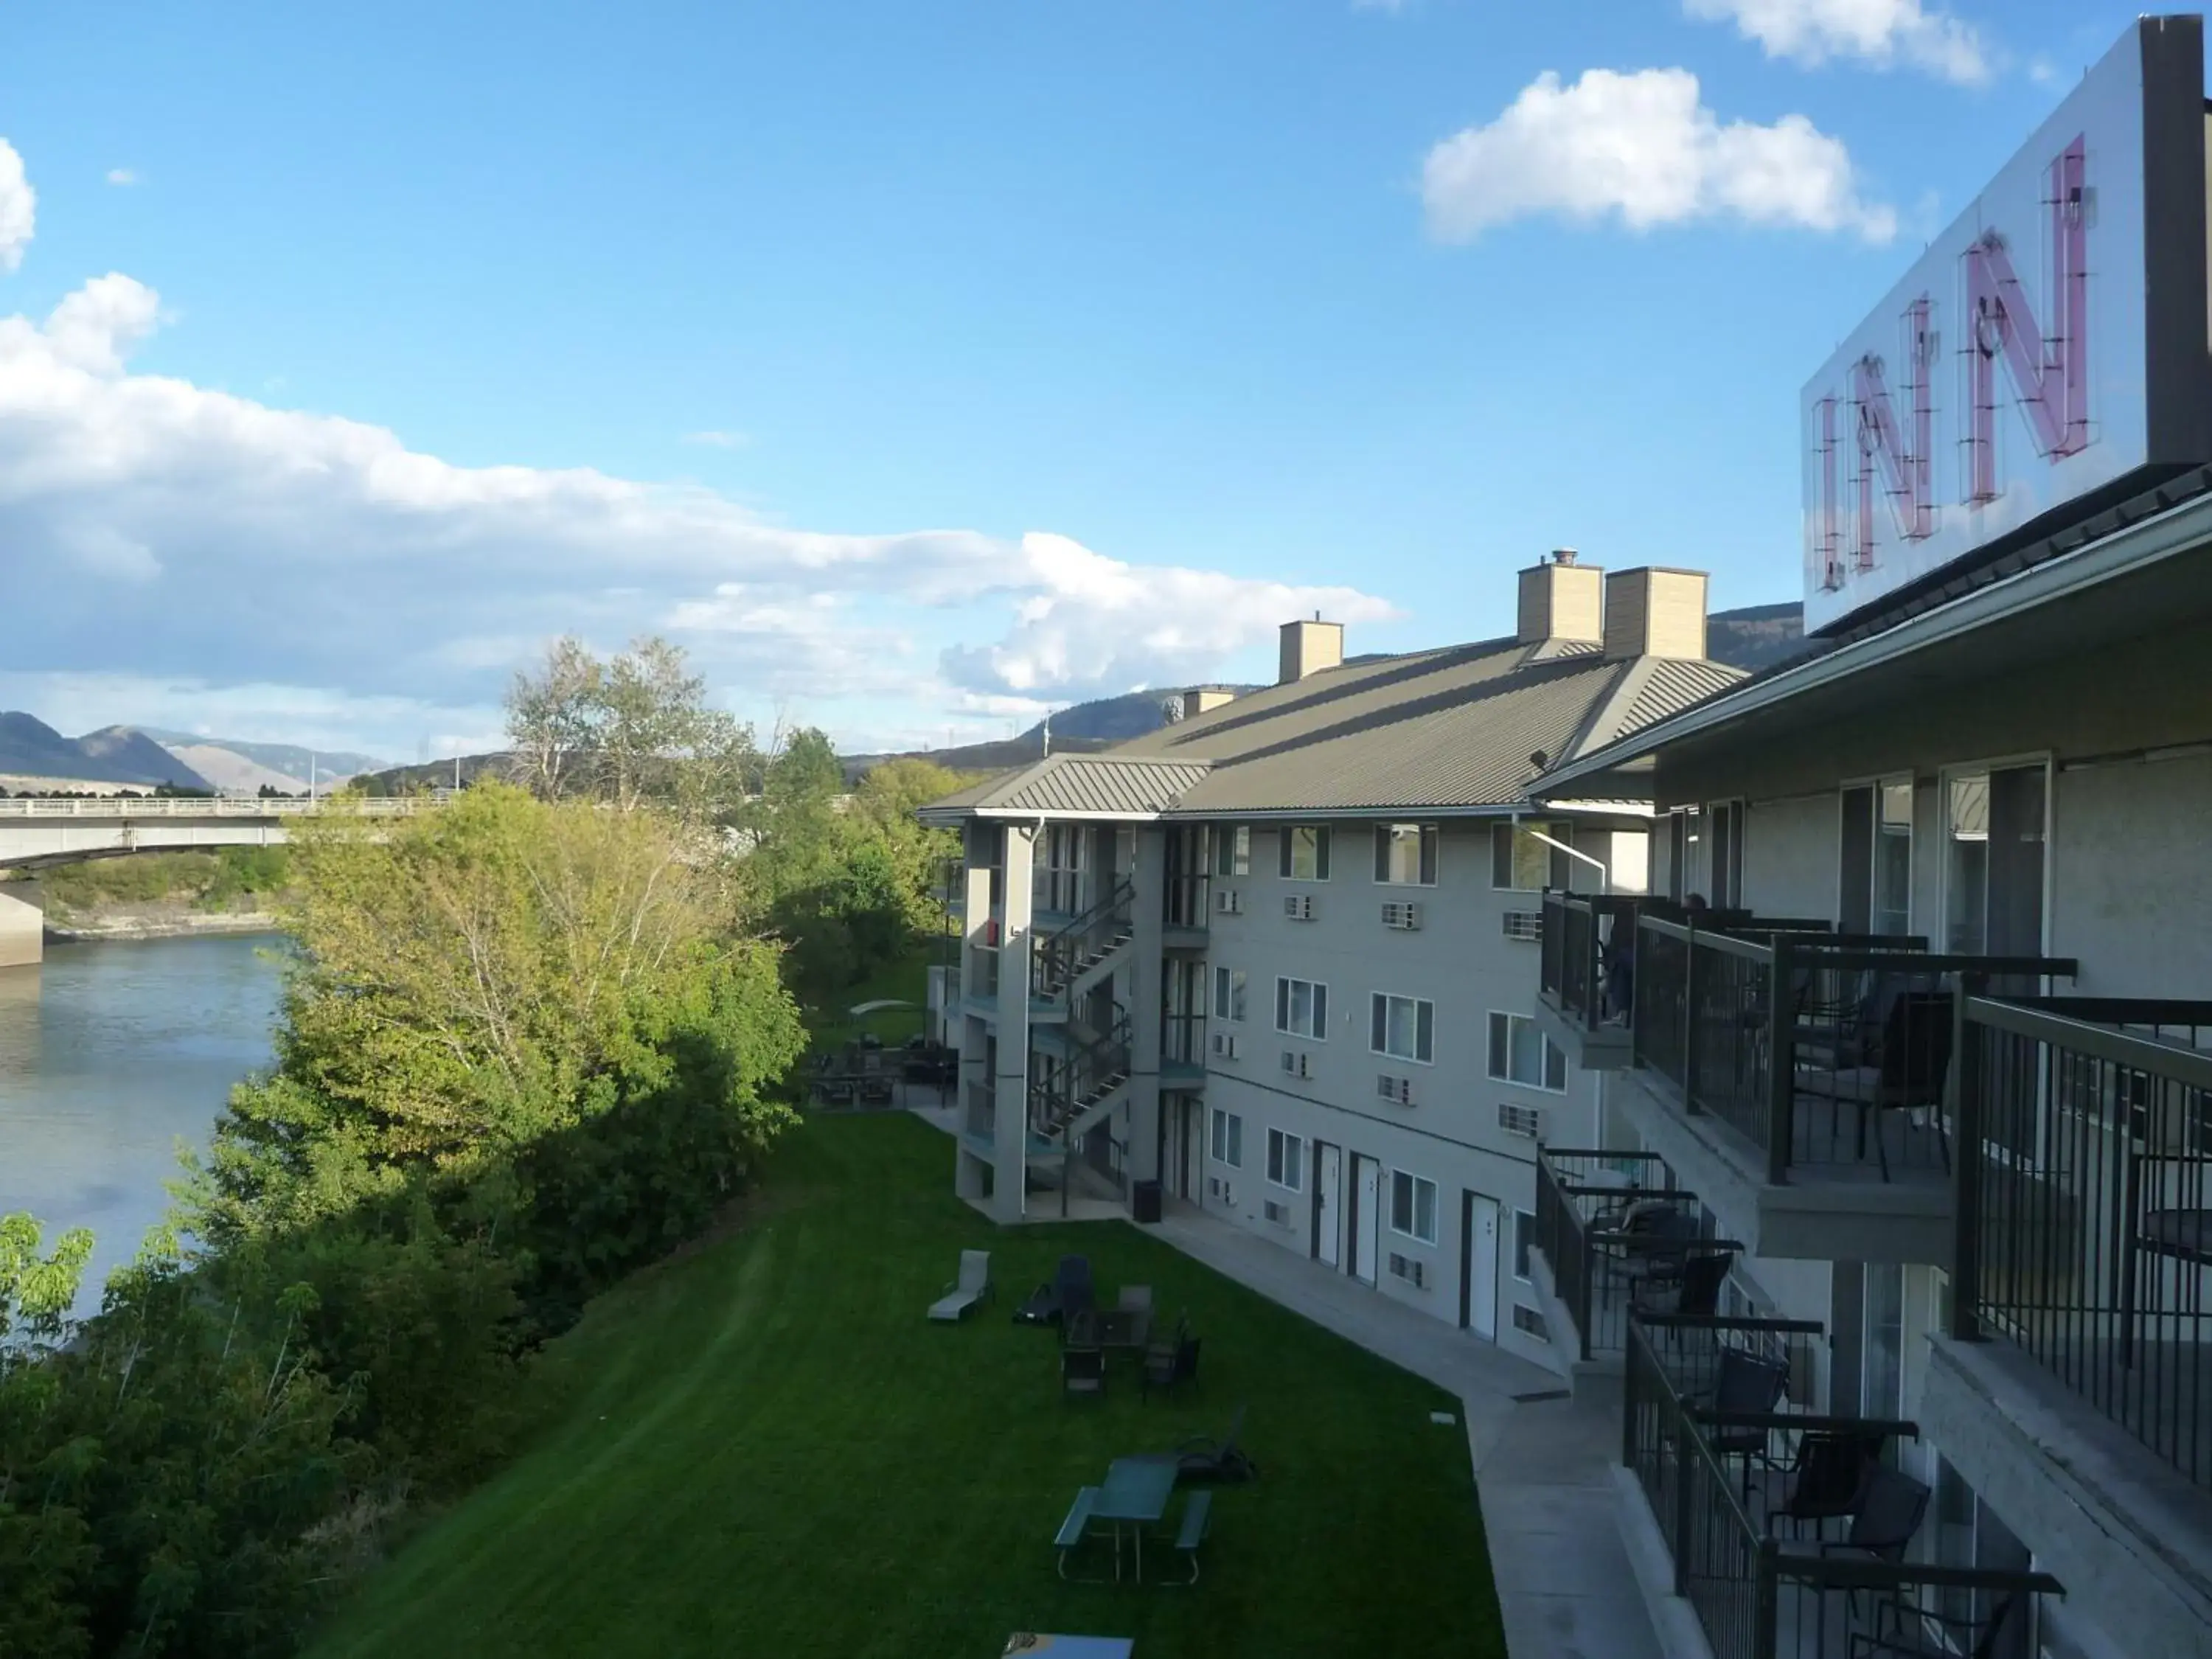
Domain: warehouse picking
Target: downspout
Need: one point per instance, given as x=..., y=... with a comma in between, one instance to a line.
x=1604, y=876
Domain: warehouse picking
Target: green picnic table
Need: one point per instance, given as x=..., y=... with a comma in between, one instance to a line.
x=1135, y=1495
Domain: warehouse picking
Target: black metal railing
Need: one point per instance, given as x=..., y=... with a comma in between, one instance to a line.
x=1725, y=1485
x=1066, y=953
x=1588, y=963
x=2085, y=1204
x=1616, y=1234
x=1185, y=901
x=1828, y=1053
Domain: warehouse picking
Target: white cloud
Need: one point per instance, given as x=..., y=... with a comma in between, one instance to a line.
x=1642, y=148
x=19, y=208
x=1882, y=32
x=718, y=440
x=123, y=176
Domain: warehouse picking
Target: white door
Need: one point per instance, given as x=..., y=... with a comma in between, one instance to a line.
x=1367, y=1219
x=1478, y=1265
x=1328, y=1226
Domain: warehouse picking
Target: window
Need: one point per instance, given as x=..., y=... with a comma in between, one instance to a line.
x=1725, y=854
x=1406, y=854
x=1877, y=857
x=1519, y=1053
x=1232, y=850
x=1304, y=855
x=1302, y=1008
x=1413, y=1206
x=1993, y=868
x=1229, y=994
x=1522, y=863
x=1228, y=1139
x=1524, y=1239
x=1286, y=1160
x=1403, y=1026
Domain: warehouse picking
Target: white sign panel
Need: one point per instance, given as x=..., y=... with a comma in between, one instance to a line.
x=2010, y=373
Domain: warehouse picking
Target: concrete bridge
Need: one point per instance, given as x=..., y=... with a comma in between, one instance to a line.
x=37, y=833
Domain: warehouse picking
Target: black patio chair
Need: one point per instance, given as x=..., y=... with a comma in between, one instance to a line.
x=1167, y=1366
x=1828, y=1476
x=1889, y=1513
x=1745, y=1385
x=1902, y=1630
x=1696, y=1290
x=1912, y=1059
x=1082, y=1371
x=1069, y=1291
x=1202, y=1459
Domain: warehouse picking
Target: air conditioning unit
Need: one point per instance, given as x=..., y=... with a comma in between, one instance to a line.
x=1403, y=915
x=1229, y=901
x=1398, y=1089
x=1526, y=925
x=1521, y=1120
x=1297, y=1063
x=1278, y=1213
x=1410, y=1269
x=1225, y=1045
x=1528, y=1321
x=1299, y=907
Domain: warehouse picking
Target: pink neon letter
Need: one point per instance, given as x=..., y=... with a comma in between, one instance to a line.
x=1912, y=502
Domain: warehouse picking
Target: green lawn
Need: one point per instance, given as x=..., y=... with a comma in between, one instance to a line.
x=764, y=1448
x=908, y=979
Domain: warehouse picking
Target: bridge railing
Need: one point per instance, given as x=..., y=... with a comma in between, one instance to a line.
x=220, y=806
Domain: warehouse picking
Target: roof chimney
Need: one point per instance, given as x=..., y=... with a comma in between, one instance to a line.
x=1205, y=699
x=1309, y=648
x=1561, y=600
x=1655, y=612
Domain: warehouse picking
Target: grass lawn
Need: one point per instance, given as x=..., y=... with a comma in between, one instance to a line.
x=764, y=1448
x=831, y=1028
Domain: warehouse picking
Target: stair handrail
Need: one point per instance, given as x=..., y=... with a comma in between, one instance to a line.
x=1062, y=945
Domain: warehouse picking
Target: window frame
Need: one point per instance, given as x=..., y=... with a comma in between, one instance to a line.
x=1425, y=1025
x=1524, y=1242
x=1226, y=1136
x=1232, y=850
x=1286, y=1152
x=1558, y=871
x=1286, y=842
x=1316, y=1007
x=1491, y=1052
x=1414, y=1185
x=1986, y=768
x=1427, y=857
x=1230, y=993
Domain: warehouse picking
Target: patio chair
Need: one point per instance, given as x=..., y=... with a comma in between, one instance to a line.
x=1201, y=1459
x=973, y=1286
x=1889, y=1513
x=1069, y=1290
x=1134, y=1299
x=1082, y=1371
x=1902, y=1632
x=1909, y=1066
x=1745, y=1385
x=1653, y=1242
x=1696, y=1290
x=1177, y=1364
x=1829, y=1476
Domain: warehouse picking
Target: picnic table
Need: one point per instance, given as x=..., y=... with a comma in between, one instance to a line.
x=1135, y=1495
x=1024, y=1643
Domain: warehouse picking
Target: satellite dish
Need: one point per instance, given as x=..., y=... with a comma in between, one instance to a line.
x=1540, y=760
x=1172, y=709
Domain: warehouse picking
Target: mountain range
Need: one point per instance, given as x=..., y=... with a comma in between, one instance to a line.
x=147, y=757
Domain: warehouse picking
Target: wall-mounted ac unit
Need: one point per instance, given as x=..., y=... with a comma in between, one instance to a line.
x=1297, y=1063
x=1528, y=1319
x=1225, y=1045
x=1403, y=915
x=1521, y=1120
x=1398, y=1089
x=1411, y=1268
x=1278, y=1213
x=1526, y=925
x=1298, y=906
x=1229, y=901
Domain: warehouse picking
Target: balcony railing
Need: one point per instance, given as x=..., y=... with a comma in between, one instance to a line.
x=1828, y=1053
x=1186, y=901
x=980, y=1113
x=1789, y=1535
x=2085, y=1205
x=1182, y=1039
x=983, y=971
x=1588, y=954
x=1618, y=1236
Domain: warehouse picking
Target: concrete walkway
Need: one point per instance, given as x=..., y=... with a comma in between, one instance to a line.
x=1543, y=1463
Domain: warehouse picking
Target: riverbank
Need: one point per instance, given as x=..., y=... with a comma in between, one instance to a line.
x=157, y=922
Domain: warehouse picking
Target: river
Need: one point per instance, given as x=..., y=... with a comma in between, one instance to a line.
x=110, y=1054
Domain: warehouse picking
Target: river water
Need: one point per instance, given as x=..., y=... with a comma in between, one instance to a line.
x=110, y=1054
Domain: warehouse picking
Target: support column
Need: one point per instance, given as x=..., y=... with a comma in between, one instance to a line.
x=1010, y=1140
x=974, y=1034
x=1148, y=920
x=23, y=925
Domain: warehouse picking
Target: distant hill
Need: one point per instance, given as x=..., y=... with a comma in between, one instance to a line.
x=274, y=761
x=29, y=747
x=1756, y=636
x=431, y=774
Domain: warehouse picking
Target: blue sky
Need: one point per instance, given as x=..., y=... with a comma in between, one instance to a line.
x=918, y=364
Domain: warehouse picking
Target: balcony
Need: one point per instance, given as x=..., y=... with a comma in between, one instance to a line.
x=1792, y=1534
x=1583, y=980
x=1185, y=907
x=1615, y=1236
x=1800, y=1080
x=1182, y=1051
x=979, y=1118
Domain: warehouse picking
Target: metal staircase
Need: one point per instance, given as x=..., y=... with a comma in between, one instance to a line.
x=1075, y=958
x=1089, y=1084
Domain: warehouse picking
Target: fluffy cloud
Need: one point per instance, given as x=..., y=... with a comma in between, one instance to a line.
x=1883, y=33
x=222, y=558
x=1642, y=148
x=19, y=208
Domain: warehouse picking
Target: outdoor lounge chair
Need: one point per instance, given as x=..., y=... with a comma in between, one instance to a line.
x=1201, y=1459
x=1069, y=1291
x=1083, y=1370
x=973, y=1286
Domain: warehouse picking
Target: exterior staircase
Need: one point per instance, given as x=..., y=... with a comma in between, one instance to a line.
x=1091, y=1085
x=1077, y=956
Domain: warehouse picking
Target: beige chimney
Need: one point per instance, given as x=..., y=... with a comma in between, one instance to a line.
x=1309, y=648
x=1205, y=699
x=1655, y=612
x=1561, y=599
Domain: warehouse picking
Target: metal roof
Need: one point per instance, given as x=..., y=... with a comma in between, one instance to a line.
x=1088, y=785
